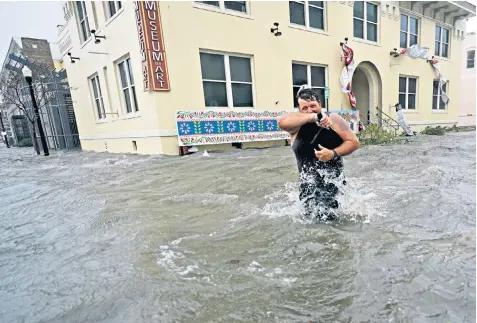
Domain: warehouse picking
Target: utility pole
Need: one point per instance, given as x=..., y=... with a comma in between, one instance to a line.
x=4, y=132
x=28, y=77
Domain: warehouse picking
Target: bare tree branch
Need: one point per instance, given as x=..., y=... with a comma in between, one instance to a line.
x=14, y=91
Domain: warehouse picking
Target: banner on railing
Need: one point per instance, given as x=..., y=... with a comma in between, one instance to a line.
x=347, y=73
x=416, y=51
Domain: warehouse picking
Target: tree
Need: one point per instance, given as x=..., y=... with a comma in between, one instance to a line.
x=14, y=92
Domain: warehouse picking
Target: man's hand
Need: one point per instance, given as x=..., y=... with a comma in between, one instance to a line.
x=325, y=122
x=324, y=154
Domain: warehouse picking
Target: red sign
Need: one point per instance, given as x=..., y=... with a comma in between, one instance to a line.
x=151, y=43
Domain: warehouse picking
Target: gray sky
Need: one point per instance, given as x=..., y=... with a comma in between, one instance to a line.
x=36, y=19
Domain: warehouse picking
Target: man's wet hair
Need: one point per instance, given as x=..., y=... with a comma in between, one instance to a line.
x=307, y=94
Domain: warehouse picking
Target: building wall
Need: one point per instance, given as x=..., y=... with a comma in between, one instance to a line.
x=467, y=112
x=121, y=42
x=189, y=27
x=37, y=50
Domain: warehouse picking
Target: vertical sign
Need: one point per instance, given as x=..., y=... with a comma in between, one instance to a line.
x=142, y=45
x=151, y=43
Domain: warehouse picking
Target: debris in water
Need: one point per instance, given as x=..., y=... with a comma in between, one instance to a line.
x=206, y=154
x=234, y=261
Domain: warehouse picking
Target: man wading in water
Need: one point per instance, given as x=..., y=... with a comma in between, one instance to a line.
x=319, y=145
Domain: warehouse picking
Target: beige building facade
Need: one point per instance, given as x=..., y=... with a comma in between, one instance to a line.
x=467, y=111
x=252, y=55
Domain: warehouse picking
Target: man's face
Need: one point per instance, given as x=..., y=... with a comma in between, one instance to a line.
x=311, y=106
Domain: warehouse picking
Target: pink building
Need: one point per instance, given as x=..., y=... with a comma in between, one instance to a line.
x=467, y=111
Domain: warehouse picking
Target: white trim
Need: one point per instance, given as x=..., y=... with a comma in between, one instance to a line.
x=408, y=31
x=449, y=30
x=85, y=43
x=228, y=78
x=428, y=122
x=367, y=42
x=467, y=51
x=129, y=86
x=307, y=16
x=139, y=134
x=99, y=119
x=110, y=20
x=85, y=19
x=308, y=76
x=365, y=23
x=131, y=116
x=410, y=12
x=439, y=97
x=455, y=3
x=407, y=93
x=312, y=30
x=223, y=10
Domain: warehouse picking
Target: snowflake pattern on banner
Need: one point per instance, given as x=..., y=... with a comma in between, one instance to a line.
x=215, y=127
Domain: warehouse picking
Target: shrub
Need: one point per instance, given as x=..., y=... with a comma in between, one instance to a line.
x=437, y=131
x=374, y=135
x=25, y=142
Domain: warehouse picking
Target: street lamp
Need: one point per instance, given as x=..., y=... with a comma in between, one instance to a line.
x=27, y=74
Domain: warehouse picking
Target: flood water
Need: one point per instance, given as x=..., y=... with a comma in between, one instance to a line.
x=98, y=237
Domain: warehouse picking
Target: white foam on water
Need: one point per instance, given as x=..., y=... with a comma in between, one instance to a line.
x=357, y=202
x=289, y=281
x=168, y=257
x=276, y=271
x=203, y=198
x=255, y=267
x=188, y=270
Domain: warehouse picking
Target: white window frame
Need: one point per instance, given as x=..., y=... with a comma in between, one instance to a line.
x=468, y=59
x=118, y=5
x=83, y=38
x=221, y=8
x=228, y=79
x=130, y=87
x=307, y=15
x=439, y=95
x=365, y=22
x=441, y=42
x=308, y=77
x=97, y=100
x=406, y=94
x=408, y=31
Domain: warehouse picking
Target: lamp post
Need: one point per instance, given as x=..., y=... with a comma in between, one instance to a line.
x=28, y=77
x=4, y=132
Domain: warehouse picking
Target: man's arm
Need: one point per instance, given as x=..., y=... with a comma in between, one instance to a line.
x=350, y=141
x=292, y=121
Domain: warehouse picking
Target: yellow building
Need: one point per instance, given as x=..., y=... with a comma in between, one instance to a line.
x=249, y=55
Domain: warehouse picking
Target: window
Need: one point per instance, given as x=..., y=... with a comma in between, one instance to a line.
x=437, y=103
x=112, y=7
x=407, y=92
x=314, y=76
x=240, y=6
x=127, y=86
x=409, y=31
x=442, y=42
x=98, y=97
x=307, y=13
x=227, y=80
x=365, y=21
x=470, y=58
x=84, y=30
